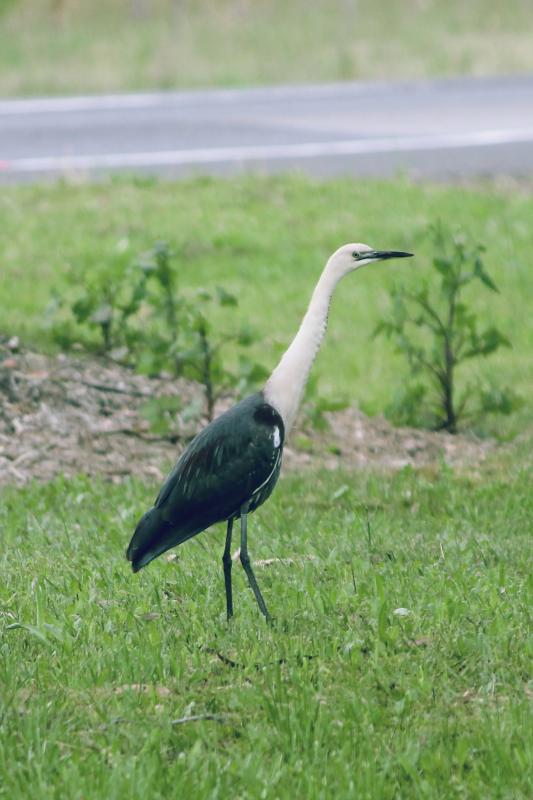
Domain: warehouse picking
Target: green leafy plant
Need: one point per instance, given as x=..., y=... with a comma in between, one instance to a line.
x=437, y=331
x=98, y=311
x=142, y=318
x=201, y=350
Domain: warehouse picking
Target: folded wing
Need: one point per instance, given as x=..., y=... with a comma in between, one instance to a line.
x=228, y=463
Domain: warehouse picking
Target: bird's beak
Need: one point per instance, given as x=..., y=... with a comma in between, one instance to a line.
x=382, y=255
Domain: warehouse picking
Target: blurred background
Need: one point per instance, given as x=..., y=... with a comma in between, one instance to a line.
x=412, y=91
x=73, y=46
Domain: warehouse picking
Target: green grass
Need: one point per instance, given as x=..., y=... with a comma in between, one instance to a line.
x=366, y=703
x=266, y=239
x=341, y=697
x=62, y=46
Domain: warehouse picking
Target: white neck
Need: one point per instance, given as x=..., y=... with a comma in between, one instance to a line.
x=285, y=387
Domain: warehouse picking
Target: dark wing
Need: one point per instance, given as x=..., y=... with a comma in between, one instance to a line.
x=220, y=470
x=228, y=463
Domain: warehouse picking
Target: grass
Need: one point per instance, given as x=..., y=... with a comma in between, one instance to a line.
x=96, y=664
x=346, y=695
x=266, y=239
x=65, y=46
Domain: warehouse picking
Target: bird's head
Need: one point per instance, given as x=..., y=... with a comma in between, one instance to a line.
x=351, y=256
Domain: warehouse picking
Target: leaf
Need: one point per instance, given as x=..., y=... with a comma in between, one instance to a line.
x=146, y=265
x=383, y=622
x=487, y=342
x=203, y=294
x=82, y=308
x=442, y=265
x=149, y=362
x=383, y=327
x=500, y=401
x=340, y=492
x=200, y=324
x=252, y=371
x=31, y=629
x=162, y=251
x=42, y=633
x=483, y=276
x=225, y=298
x=246, y=335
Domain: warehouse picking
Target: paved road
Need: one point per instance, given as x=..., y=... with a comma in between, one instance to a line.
x=435, y=129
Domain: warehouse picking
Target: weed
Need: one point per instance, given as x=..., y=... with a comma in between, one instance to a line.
x=144, y=320
x=436, y=329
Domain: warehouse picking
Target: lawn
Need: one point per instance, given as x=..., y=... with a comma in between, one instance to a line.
x=399, y=663
x=67, y=46
x=266, y=240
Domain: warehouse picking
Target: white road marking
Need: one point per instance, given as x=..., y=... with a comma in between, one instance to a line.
x=210, y=155
x=46, y=105
x=54, y=105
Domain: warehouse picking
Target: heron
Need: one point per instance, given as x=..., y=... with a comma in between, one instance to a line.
x=232, y=466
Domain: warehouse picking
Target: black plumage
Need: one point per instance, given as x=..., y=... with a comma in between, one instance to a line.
x=227, y=471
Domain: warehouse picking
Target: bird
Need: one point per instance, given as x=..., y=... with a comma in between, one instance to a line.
x=232, y=466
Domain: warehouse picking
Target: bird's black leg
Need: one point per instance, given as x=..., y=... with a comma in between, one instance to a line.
x=245, y=561
x=227, y=562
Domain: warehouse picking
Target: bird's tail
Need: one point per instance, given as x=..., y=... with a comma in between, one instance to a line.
x=149, y=539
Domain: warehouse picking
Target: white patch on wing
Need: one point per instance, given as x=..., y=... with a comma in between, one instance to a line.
x=276, y=437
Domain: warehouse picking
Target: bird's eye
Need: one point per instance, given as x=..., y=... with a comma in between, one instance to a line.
x=355, y=254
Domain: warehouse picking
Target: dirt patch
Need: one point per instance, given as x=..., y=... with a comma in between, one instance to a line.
x=74, y=414
x=357, y=441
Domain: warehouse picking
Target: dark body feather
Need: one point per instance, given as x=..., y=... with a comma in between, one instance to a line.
x=232, y=464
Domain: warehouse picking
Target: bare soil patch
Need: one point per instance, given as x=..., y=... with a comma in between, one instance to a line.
x=76, y=414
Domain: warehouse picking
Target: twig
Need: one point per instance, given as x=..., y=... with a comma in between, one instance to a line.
x=230, y=663
x=199, y=718
x=102, y=387
x=225, y=660
x=146, y=437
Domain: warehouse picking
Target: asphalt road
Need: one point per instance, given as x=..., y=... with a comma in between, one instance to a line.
x=436, y=129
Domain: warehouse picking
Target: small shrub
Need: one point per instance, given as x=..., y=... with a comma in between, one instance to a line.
x=437, y=331
x=200, y=350
x=135, y=312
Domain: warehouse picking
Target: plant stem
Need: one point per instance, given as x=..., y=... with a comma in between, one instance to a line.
x=206, y=372
x=449, y=361
x=106, y=335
